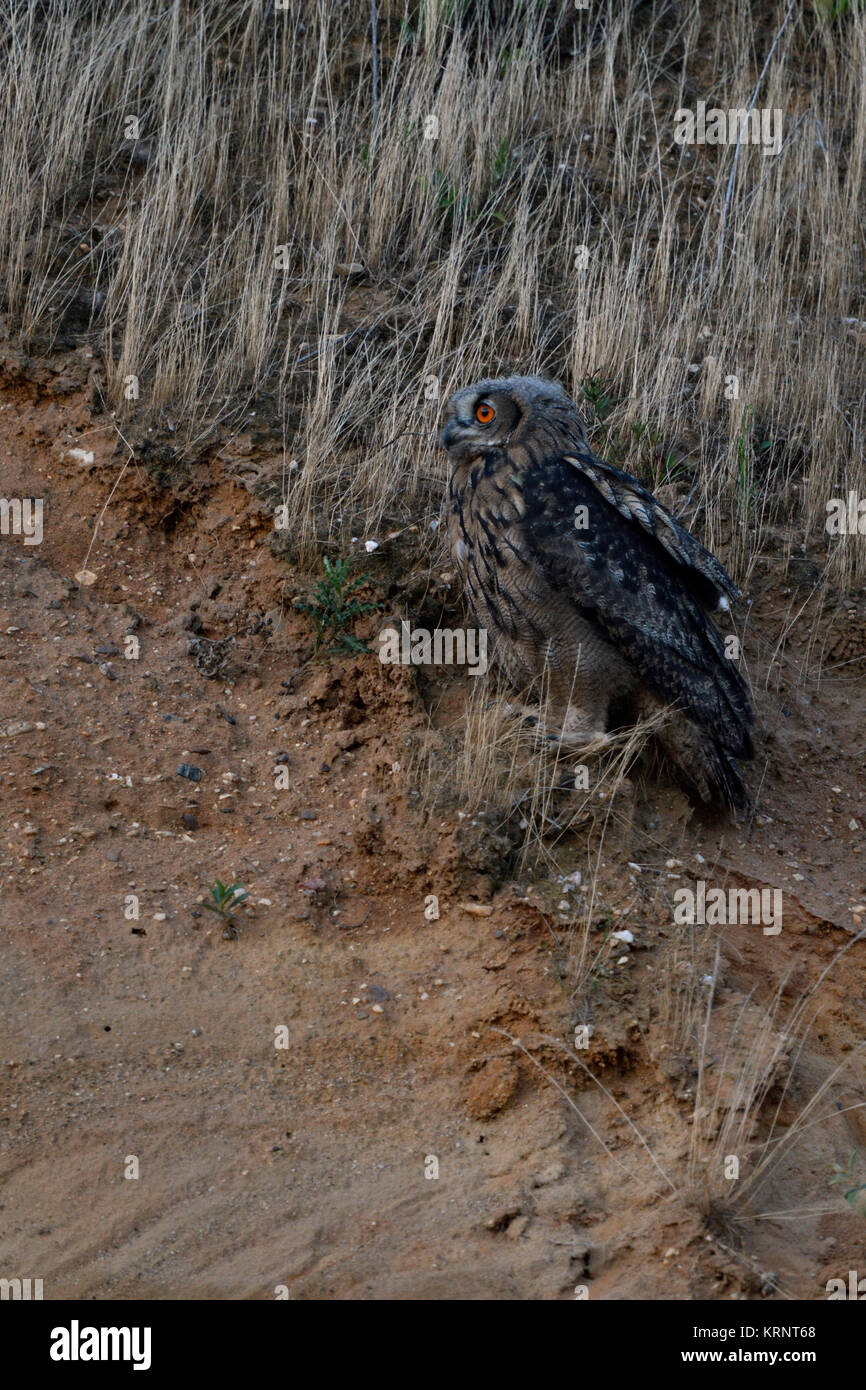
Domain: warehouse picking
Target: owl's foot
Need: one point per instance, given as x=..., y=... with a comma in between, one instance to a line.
x=587, y=741
x=532, y=718
x=576, y=730
x=530, y=714
x=583, y=729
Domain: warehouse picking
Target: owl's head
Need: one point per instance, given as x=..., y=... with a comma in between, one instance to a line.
x=505, y=412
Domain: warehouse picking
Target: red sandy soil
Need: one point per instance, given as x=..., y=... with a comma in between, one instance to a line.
x=409, y=1040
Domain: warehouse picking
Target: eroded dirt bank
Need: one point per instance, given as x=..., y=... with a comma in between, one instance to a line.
x=409, y=1040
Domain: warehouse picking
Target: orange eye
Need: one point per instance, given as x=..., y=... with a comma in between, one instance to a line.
x=484, y=413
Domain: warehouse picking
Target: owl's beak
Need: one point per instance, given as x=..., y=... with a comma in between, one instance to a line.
x=451, y=434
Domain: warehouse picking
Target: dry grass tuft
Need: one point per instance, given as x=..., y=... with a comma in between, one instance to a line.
x=407, y=258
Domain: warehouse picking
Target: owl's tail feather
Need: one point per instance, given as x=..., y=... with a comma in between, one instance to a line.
x=701, y=762
x=722, y=774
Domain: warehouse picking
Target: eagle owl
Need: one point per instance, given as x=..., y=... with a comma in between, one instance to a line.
x=583, y=579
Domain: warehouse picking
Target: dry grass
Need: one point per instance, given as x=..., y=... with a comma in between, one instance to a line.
x=261, y=128
x=757, y=1091
x=778, y=1036
x=504, y=761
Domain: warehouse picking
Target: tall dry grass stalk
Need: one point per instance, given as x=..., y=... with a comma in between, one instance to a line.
x=451, y=250
x=749, y=1069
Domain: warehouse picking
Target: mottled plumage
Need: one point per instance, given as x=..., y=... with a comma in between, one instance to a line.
x=583, y=578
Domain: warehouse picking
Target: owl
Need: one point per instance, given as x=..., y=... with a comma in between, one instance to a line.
x=588, y=586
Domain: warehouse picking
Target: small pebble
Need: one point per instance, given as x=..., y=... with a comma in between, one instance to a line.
x=552, y=1173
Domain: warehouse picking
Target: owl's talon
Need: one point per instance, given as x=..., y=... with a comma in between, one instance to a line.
x=585, y=742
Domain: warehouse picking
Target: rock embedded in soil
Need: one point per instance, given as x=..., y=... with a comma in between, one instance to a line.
x=492, y=1089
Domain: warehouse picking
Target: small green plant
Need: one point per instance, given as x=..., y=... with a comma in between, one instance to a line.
x=448, y=201
x=612, y=448
x=226, y=898
x=828, y=10
x=745, y=481
x=655, y=464
x=855, y=1196
x=749, y=453
x=501, y=160
x=506, y=58
x=596, y=392
x=335, y=605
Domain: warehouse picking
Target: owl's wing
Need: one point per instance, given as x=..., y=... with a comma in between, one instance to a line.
x=636, y=503
x=630, y=568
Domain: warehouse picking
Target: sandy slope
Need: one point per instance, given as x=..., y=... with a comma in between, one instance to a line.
x=305, y=1166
